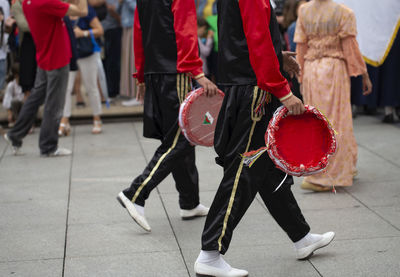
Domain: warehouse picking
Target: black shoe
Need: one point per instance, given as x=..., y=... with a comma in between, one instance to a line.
x=389, y=118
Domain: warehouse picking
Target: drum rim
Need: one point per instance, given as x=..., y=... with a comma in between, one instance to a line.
x=183, y=121
x=273, y=152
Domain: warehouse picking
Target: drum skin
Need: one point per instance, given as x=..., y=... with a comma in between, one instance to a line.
x=198, y=116
x=300, y=145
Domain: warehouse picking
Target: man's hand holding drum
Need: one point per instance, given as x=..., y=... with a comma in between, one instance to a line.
x=293, y=104
x=210, y=89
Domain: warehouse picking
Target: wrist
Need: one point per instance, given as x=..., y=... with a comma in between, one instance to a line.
x=287, y=96
x=86, y=33
x=201, y=75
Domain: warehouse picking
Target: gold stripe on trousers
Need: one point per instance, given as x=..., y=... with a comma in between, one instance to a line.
x=259, y=96
x=183, y=86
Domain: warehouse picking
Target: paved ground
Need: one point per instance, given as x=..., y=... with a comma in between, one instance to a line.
x=115, y=109
x=59, y=216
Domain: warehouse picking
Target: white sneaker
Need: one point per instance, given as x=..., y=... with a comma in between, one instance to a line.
x=128, y=205
x=200, y=210
x=130, y=103
x=59, y=153
x=203, y=270
x=15, y=149
x=307, y=251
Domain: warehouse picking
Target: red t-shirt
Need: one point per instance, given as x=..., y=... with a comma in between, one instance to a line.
x=45, y=19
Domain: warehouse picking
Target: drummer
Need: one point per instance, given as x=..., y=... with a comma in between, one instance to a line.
x=166, y=60
x=249, y=59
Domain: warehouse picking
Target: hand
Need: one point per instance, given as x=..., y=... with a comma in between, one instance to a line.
x=141, y=90
x=290, y=65
x=294, y=105
x=78, y=32
x=209, y=87
x=366, y=83
x=210, y=34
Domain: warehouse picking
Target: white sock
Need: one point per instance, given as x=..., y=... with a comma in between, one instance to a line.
x=139, y=208
x=388, y=110
x=214, y=259
x=307, y=240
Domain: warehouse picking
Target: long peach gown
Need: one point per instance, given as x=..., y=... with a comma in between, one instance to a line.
x=328, y=54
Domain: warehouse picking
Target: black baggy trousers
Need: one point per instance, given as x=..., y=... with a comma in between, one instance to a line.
x=241, y=127
x=164, y=93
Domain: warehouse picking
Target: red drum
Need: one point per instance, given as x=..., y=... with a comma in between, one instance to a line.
x=198, y=116
x=300, y=145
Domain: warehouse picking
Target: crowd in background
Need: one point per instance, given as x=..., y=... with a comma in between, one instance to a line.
x=105, y=72
x=108, y=74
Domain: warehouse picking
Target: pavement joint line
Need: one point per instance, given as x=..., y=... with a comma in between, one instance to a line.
x=31, y=260
x=163, y=204
x=104, y=179
x=68, y=202
x=377, y=214
x=379, y=155
x=122, y=254
x=3, y=153
x=316, y=269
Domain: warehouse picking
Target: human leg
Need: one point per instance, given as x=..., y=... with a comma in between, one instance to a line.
x=57, y=81
x=28, y=112
x=113, y=60
x=165, y=99
x=236, y=132
x=65, y=128
x=89, y=67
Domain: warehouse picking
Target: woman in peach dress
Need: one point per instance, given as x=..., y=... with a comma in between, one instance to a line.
x=328, y=54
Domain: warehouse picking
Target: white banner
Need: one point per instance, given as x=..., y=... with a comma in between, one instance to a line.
x=377, y=26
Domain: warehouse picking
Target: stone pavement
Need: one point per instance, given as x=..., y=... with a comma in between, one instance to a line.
x=59, y=216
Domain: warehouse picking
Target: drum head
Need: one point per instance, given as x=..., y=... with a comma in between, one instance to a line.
x=198, y=116
x=300, y=145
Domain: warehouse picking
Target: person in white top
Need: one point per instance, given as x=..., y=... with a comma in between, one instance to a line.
x=205, y=37
x=4, y=14
x=13, y=97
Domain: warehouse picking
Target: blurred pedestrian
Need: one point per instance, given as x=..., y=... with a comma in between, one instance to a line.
x=127, y=83
x=205, y=37
x=112, y=47
x=86, y=30
x=27, y=52
x=166, y=60
x=328, y=53
x=13, y=97
x=53, y=52
x=290, y=14
x=4, y=14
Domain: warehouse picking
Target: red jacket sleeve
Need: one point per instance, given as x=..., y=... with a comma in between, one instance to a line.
x=185, y=25
x=138, y=49
x=256, y=17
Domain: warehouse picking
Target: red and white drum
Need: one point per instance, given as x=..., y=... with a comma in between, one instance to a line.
x=300, y=145
x=198, y=116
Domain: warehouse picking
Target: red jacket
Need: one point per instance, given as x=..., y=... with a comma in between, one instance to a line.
x=250, y=50
x=165, y=38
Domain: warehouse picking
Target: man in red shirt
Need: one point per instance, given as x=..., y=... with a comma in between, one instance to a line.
x=53, y=53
